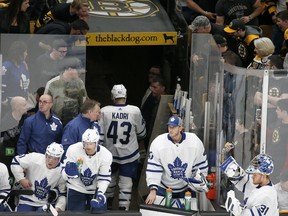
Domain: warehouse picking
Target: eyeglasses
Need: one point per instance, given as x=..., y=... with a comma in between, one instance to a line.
x=44, y=102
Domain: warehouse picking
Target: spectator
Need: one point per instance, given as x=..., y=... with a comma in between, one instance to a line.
x=38, y=94
x=65, y=12
x=264, y=48
x=245, y=10
x=277, y=88
x=194, y=8
x=41, y=129
x=175, y=160
x=42, y=174
x=221, y=43
x=282, y=23
x=11, y=125
x=282, y=191
x=4, y=185
x=67, y=90
x=276, y=135
x=88, y=117
x=15, y=74
x=77, y=27
x=150, y=107
x=268, y=12
x=14, y=18
x=201, y=24
x=240, y=40
x=259, y=193
x=48, y=65
x=277, y=35
x=13, y=116
x=123, y=125
x=87, y=169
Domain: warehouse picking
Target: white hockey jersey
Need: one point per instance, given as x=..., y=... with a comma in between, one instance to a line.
x=258, y=200
x=95, y=171
x=42, y=179
x=168, y=162
x=122, y=125
x=4, y=181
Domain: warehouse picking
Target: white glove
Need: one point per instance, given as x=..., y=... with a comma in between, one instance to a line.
x=232, y=204
x=232, y=169
x=198, y=182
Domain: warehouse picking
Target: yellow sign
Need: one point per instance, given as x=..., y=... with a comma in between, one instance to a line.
x=131, y=38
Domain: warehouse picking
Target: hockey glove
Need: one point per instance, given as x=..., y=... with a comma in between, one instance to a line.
x=232, y=169
x=198, y=182
x=71, y=170
x=232, y=204
x=99, y=202
x=52, y=195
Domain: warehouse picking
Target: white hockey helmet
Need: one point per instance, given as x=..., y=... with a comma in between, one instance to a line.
x=118, y=91
x=55, y=150
x=261, y=163
x=91, y=135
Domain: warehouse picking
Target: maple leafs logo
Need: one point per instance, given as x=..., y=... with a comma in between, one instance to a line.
x=177, y=169
x=41, y=188
x=53, y=126
x=87, y=178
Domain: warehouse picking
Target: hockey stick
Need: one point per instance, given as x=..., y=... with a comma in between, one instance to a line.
x=13, y=193
x=17, y=192
x=94, y=196
x=49, y=207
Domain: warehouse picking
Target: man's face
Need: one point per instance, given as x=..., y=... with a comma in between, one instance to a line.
x=89, y=147
x=60, y=53
x=174, y=132
x=157, y=89
x=70, y=74
x=83, y=12
x=45, y=103
x=152, y=73
x=95, y=113
x=282, y=24
x=51, y=162
x=258, y=178
x=25, y=5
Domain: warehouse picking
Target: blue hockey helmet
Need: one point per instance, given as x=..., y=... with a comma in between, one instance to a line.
x=261, y=163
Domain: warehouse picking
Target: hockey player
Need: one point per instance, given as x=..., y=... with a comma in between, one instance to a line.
x=176, y=160
x=123, y=124
x=4, y=185
x=88, y=171
x=42, y=174
x=260, y=196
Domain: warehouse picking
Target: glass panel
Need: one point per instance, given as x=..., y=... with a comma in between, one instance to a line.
x=204, y=89
x=29, y=61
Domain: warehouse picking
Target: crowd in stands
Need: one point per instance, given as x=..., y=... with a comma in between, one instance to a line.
x=64, y=127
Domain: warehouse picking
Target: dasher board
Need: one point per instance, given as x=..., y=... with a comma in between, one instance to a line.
x=129, y=23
